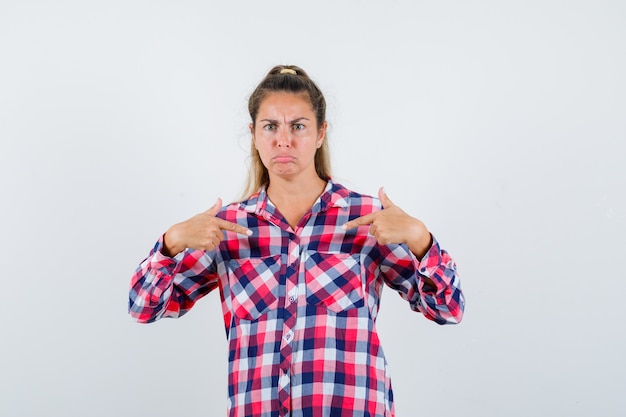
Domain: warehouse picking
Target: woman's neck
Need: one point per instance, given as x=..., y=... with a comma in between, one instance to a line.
x=293, y=190
x=294, y=199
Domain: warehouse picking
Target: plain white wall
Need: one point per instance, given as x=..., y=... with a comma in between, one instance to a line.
x=502, y=125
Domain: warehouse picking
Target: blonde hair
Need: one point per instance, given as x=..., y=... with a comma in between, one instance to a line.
x=291, y=79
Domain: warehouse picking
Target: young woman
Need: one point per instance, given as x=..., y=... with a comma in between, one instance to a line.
x=300, y=264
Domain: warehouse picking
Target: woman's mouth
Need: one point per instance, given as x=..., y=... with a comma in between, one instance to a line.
x=282, y=159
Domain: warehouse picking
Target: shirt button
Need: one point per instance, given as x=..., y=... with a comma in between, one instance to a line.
x=285, y=370
x=288, y=336
x=292, y=299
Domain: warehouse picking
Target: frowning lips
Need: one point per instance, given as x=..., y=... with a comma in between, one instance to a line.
x=283, y=158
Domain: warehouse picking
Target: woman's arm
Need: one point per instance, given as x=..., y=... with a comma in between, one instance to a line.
x=163, y=286
x=431, y=285
x=413, y=263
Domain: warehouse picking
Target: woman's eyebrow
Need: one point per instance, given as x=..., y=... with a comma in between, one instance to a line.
x=299, y=119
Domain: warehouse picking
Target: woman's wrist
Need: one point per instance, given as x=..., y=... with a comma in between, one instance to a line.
x=421, y=245
x=170, y=248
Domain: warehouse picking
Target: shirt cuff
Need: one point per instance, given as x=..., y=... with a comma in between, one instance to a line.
x=431, y=261
x=160, y=261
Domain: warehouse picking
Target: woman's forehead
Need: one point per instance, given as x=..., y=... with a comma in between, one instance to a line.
x=285, y=103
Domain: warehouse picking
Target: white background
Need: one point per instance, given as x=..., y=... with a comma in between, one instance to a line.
x=501, y=124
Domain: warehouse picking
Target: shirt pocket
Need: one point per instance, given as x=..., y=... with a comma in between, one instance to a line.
x=254, y=286
x=333, y=280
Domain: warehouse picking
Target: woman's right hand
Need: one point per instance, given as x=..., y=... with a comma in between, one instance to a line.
x=203, y=231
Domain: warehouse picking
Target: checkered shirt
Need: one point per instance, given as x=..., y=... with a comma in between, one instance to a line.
x=300, y=305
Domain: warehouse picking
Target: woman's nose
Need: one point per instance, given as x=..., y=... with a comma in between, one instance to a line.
x=284, y=139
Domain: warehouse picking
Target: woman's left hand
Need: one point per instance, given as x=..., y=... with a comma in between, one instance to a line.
x=392, y=225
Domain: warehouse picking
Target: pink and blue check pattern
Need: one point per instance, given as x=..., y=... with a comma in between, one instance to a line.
x=300, y=305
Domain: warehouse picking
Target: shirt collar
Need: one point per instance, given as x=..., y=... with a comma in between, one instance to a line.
x=334, y=195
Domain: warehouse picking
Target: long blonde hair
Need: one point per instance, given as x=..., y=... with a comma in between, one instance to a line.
x=292, y=79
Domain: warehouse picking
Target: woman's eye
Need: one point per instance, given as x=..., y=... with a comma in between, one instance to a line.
x=298, y=126
x=270, y=126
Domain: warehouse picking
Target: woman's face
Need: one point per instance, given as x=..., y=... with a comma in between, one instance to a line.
x=287, y=136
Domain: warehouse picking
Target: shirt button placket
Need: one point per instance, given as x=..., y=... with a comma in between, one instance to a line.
x=290, y=308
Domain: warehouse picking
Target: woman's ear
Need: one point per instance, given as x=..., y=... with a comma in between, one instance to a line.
x=321, y=135
x=251, y=127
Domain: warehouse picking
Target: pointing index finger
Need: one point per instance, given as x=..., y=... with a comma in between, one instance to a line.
x=359, y=221
x=234, y=227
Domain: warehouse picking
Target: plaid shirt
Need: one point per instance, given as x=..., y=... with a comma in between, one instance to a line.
x=300, y=305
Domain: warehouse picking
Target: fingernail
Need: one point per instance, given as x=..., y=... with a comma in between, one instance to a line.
x=344, y=227
x=248, y=232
